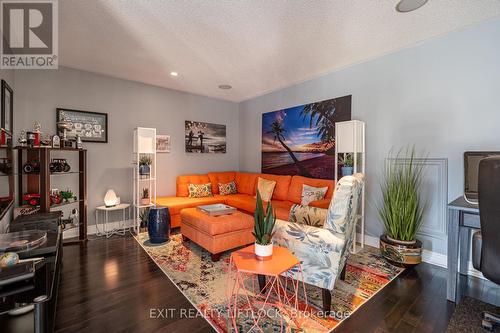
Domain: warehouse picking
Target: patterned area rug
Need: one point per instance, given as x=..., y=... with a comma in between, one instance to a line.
x=205, y=284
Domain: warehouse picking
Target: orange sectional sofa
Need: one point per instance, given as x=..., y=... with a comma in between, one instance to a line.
x=288, y=191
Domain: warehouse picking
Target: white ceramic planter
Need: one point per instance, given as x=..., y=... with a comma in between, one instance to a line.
x=263, y=252
x=145, y=201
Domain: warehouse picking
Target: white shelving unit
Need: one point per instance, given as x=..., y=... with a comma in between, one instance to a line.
x=144, y=145
x=350, y=139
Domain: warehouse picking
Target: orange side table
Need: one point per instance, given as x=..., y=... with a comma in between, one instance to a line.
x=273, y=293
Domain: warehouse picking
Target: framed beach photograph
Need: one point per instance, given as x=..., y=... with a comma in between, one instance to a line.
x=90, y=126
x=205, y=138
x=301, y=140
x=163, y=143
x=7, y=101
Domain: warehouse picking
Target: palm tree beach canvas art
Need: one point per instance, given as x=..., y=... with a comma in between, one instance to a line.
x=301, y=140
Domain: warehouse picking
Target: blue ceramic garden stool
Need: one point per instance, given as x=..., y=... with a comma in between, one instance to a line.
x=159, y=225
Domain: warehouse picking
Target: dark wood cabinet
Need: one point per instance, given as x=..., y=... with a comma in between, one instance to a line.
x=39, y=181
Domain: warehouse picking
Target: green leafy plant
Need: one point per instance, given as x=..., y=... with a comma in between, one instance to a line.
x=145, y=160
x=347, y=160
x=145, y=193
x=263, y=224
x=66, y=195
x=144, y=217
x=401, y=210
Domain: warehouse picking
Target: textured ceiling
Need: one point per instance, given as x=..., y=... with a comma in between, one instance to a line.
x=256, y=46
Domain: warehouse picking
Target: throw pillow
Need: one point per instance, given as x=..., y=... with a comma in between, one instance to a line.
x=310, y=194
x=229, y=188
x=266, y=188
x=200, y=190
x=307, y=215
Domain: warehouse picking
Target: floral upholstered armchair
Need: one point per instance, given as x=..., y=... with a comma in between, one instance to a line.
x=323, y=250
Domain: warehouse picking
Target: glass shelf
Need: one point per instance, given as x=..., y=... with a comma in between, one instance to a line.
x=145, y=206
x=52, y=173
x=65, y=204
x=62, y=204
x=64, y=173
x=145, y=179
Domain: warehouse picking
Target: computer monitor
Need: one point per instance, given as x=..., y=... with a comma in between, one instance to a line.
x=471, y=172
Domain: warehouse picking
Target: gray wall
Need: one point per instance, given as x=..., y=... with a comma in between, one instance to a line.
x=443, y=96
x=129, y=105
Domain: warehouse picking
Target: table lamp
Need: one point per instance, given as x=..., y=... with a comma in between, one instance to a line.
x=110, y=199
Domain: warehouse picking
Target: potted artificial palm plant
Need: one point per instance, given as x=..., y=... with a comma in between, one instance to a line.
x=401, y=209
x=263, y=229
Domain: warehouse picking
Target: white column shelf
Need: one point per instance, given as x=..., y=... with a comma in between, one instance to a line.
x=350, y=139
x=144, y=145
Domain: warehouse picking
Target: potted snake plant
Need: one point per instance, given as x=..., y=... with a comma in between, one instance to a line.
x=263, y=229
x=402, y=209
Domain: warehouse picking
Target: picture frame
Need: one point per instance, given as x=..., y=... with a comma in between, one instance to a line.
x=300, y=140
x=7, y=113
x=163, y=143
x=90, y=126
x=204, y=138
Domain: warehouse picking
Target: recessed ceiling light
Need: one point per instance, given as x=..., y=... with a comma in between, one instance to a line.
x=405, y=6
x=174, y=74
x=225, y=86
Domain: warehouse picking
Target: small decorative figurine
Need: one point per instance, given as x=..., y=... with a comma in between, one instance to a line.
x=79, y=144
x=73, y=216
x=64, y=125
x=37, y=130
x=46, y=140
x=22, y=138
x=30, y=138
x=56, y=141
x=37, y=127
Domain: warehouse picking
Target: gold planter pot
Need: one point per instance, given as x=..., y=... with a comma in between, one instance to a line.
x=401, y=252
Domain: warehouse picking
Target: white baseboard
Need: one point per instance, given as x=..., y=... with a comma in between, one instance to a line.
x=434, y=258
x=429, y=257
x=92, y=229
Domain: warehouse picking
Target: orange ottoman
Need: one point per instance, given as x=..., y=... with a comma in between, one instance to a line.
x=217, y=234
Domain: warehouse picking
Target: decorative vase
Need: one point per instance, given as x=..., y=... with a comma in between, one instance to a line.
x=347, y=170
x=159, y=225
x=263, y=252
x=144, y=169
x=406, y=253
x=145, y=201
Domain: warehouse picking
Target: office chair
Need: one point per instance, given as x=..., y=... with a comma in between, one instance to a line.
x=485, y=243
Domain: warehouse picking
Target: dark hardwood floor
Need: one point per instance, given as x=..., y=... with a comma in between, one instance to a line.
x=414, y=302
x=111, y=285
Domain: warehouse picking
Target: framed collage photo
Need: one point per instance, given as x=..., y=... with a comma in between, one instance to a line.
x=90, y=126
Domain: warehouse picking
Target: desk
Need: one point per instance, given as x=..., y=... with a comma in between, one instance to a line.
x=463, y=218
